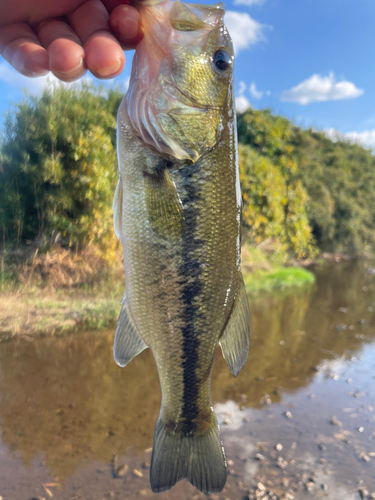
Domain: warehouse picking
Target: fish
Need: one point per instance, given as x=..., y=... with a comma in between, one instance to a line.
x=177, y=212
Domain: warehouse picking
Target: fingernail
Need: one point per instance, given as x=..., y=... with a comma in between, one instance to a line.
x=128, y=28
x=129, y=12
x=128, y=23
x=108, y=71
x=74, y=70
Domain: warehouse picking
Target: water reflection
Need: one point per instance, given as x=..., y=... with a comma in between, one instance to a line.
x=293, y=335
x=66, y=398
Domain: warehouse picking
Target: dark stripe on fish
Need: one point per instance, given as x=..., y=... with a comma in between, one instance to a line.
x=191, y=288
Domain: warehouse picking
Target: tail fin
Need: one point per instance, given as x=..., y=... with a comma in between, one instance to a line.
x=197, y=457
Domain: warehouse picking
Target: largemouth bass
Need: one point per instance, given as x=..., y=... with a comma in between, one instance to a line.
x=178, y=212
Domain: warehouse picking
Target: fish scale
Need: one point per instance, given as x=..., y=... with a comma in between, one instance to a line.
x=177, y=212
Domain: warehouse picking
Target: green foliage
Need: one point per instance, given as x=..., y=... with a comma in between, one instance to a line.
x=58, y=167
x=340, y=181
x=279, y=278
x=326, y=188
x=273, y=196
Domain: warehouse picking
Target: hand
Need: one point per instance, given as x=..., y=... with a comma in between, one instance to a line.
x=68, y=36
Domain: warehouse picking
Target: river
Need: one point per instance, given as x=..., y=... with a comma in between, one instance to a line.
x=298, y=422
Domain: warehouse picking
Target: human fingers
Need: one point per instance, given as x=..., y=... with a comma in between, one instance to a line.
x=103, y=54
x=21, y=48
x=125, y=23
x=65, y=51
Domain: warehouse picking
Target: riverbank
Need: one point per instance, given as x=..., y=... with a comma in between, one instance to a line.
x=60, y=292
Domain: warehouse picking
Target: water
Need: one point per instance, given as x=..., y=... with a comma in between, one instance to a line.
x=66, y=409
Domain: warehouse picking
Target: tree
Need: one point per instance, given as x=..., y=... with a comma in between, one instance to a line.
x=273, y=195
x=58, y=166
x=340, y=180
x=330, y=183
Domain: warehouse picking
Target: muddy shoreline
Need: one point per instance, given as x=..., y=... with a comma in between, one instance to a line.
x=298, y=423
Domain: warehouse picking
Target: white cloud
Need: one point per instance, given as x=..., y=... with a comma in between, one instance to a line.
x=242, y=103
x=120, y=81
x=254, y=92
x=333, y=134
x=242, y=88
x=15, y=79
x=321, y=88
x=52, y=81
x=244, y=30
x=33, y=85
x=248, y=2
x=365, y=138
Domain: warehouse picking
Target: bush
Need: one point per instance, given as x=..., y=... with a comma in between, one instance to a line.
x=274, y=198
x=58, y=167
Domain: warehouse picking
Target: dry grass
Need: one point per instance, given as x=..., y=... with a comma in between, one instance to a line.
x=57, y=292
x=52, y=314
x=63, y=268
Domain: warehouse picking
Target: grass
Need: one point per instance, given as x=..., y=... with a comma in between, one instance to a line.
x=279, y=278
x=8, y=275
x=266, y=269
x=47, y=311
x=61, y=292
x=58, y=292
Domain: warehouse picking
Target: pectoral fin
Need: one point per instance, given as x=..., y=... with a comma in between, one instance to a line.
x=235, y=340
x=128, y=342
x=163, y=203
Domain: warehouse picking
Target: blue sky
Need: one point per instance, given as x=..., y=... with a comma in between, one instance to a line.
x=310, y=60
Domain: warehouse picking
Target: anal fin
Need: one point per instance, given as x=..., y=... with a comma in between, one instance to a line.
x=128, y=343
x=235, y=340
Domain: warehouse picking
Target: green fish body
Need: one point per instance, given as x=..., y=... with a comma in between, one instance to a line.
x=177, y=212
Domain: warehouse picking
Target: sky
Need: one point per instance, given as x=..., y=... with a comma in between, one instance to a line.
x=312, y=61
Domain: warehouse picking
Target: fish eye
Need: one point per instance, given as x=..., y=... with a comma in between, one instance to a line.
x=222, y=60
